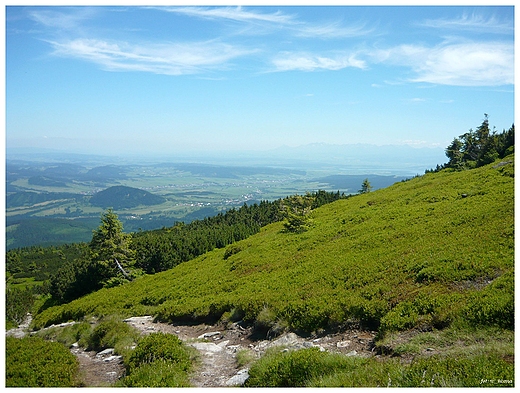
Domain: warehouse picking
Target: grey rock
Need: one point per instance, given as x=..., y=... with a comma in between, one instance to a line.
x=108, y=351
x=343, y=344
x=286, y=339
x=208, y=335
x=207, y=347
x=239, y=379
x=141, y=320
x=223, y=344
x=112, y=358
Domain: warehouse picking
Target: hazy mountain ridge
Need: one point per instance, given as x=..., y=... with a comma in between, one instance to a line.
x=354, y=158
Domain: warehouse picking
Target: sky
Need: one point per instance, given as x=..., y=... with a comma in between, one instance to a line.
x=152, y=80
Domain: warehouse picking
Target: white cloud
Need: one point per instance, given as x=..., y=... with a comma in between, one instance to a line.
x=69, y=20
x=288, y=61
x=475, y=64
x=296, y=27
x=169, y=59
x=456, y=64
x=331, y=30
x=473, y=22
x=461, y=63
x=231, y=13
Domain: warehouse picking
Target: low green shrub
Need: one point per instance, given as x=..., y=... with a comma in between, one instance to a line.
x=111, y=332
x=18, y=302
x=294, y=368
x=245, y=357
x=494, y=305
x=158, y=360
x=159, y=373
x=312, y=368
x=68, y=335
x=232, y=250
x=425, y=311
x=471, y=371
x=34, y=362
x=159, y=346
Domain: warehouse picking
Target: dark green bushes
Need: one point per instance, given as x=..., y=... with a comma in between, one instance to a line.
x=158, y=374
x=494, y=305
x=18, y=302
x=294, y=368
x=159, y=360
x=111, y=332
x=312, y=368
x=33, y=362
x=159, y=346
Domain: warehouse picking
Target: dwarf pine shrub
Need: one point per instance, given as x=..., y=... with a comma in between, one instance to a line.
x=159, y=346
x=34, y=362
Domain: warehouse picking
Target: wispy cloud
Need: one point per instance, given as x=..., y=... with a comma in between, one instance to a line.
x=231, y=13
x=304, y=61
x=70, y=19
x=332, y=30
x=168, y=59
x=456, y=64
x=278, y=19
x=473, y=22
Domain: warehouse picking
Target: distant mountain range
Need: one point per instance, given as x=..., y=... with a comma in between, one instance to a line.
x=361, y=158
x=351, y=158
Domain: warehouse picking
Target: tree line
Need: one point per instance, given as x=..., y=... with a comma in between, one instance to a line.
x=478, y=147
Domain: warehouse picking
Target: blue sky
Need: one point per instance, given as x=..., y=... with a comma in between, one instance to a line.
x=172, y=78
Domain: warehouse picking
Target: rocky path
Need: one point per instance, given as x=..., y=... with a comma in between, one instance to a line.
x=98, y=369
x=218, y=347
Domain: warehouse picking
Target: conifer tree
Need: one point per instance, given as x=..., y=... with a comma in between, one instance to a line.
x=296, y=210
x=110, y=251
x=365, y=187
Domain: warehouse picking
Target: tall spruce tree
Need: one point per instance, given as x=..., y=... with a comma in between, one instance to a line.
x=110, y=251
x=365, y=187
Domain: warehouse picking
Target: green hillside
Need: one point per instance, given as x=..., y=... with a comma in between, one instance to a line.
x=122, y=197
x=429, y=253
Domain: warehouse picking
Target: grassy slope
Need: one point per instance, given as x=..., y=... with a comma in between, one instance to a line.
x=418, y=253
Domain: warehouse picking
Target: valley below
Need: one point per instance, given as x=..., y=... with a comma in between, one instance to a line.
x=54, y=202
